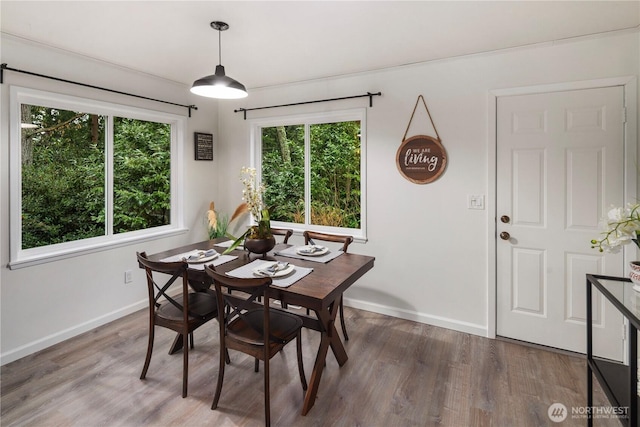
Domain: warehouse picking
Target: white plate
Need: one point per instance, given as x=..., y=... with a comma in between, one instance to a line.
x=202, y=258
x=279, y=273
x=306, y=250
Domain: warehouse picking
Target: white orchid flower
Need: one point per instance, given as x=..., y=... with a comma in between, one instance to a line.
x=620, y=228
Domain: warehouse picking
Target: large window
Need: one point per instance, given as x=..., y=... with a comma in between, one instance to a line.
x=87, y=174
x=313, y=170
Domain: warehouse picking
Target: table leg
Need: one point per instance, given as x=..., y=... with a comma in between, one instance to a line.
x=336, y=346
x=328, y=337
x=589, y=354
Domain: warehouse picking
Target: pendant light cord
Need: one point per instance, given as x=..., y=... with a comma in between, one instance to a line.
x=219, y=48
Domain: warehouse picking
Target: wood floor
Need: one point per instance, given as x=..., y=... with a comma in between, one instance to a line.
x=399, y=373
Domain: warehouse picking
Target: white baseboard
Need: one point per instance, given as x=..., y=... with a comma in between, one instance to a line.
x=58, y=337
x=443, y=322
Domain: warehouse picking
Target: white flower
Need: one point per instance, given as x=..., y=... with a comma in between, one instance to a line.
x=616, y=214
x=252, y=193
x=621, y=228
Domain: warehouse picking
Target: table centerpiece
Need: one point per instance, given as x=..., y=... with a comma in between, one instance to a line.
x=258, y=238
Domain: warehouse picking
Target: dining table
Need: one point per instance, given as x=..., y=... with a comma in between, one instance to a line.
x=319, y=290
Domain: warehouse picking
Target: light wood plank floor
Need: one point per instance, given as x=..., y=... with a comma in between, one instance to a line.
x=399, y=373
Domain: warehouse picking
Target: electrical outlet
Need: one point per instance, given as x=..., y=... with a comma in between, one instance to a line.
x=128, y=276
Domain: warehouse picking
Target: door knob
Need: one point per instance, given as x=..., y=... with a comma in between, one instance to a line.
x=505, y=219
x=505, y=236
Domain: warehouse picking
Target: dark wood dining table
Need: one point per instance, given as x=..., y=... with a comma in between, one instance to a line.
x=319, y=291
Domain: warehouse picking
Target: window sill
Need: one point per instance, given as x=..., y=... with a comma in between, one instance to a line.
x=53, y=256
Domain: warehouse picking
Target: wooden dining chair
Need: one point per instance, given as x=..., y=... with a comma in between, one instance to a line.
x=286, y=232
x=252, y=328
x=180, y=314
x=312, y=236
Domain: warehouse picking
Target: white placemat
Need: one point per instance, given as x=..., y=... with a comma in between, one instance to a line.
x=246, y=272
x=199, y=265
x=222, y=259
x=227, y=243
x=291, y=252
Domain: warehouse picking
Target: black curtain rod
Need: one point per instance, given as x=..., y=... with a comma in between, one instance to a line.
x=368, y=94
x=6, y=67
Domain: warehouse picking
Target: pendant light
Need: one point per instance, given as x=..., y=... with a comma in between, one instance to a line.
x=218, y=85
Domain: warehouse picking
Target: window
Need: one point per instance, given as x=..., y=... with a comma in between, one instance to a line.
x=87, y=174
x=313, y=170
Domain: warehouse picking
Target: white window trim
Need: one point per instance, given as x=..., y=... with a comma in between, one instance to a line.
x=19, y=257
x=359, y=235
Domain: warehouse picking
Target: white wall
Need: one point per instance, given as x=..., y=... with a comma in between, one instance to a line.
x=45, y=304
x=432, y=262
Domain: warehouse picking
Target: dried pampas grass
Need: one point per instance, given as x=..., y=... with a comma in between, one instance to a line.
x=212, y=217
x=218, y=225
x=242, y=209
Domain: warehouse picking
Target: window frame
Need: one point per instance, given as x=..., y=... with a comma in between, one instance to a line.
x=306, y=120
x=19, y=257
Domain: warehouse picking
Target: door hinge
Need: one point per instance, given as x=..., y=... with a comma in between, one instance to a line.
x=625, y=331
x=624, y=114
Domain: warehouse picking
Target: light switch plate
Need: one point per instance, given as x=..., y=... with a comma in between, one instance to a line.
x=475, y=202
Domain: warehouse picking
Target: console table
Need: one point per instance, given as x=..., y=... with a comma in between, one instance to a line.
x=619, y=381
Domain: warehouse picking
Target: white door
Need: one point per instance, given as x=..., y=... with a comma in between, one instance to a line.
x=559, y=167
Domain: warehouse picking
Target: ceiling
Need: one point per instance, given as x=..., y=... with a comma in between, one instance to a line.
x=276, y=42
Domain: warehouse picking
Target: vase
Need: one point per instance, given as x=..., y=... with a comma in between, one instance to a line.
x=634, y=275
x=260, y=246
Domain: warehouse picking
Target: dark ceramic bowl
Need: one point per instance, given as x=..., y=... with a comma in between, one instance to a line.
x=260, y=246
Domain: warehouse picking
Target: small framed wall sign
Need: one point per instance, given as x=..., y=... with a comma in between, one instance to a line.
x=203, y=146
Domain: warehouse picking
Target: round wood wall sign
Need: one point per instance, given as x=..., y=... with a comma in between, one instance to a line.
x=421, y=159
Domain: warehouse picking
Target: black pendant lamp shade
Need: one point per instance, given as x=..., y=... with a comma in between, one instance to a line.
x=218, y=85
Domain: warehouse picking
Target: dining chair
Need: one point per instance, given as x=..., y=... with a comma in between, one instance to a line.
x=286, y=232
x=175, y=312
x=312, y=236
x=255, y=329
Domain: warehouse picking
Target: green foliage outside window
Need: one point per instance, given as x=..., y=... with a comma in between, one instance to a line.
x=142, y=179
x=334, y=173
x=64, y=180
x=283, y=172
